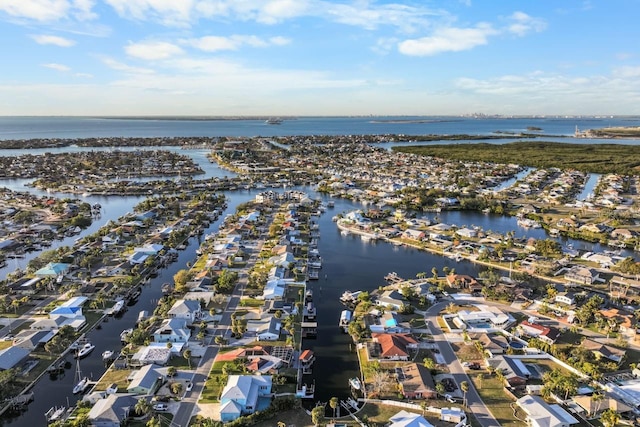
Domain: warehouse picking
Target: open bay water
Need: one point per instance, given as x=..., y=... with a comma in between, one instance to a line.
x=91, y=127
x=348, y=262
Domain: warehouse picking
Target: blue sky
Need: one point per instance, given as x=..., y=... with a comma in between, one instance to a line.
x=319, y=57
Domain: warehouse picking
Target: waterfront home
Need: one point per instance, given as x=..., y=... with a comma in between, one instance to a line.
x=388, y=322
x=113, y=410
x=391, y=346
x=146, y=380
x=32, y=339
x=513, y=370
x=484, y=315
x=547, y=334
x=416, y=382
x=12, y=356
x=71, y=311
x=541, y=414
x=623, y=321
x=189, y=310
x=408, y=419
x=391, y=298
x=172, y=330
x=463, y=281
x=412, y=234
x=592, y=407
x=241, y=395
x=155, y=353
x=274, y=289
x=603, y=351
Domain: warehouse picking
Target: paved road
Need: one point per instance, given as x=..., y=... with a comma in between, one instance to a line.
x=474, y=403
x=188, y=403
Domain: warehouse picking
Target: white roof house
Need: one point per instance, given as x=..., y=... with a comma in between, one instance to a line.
x=408, y=419
x=541, y=414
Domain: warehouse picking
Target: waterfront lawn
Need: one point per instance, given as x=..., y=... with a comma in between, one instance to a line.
x=494, y=396
x=214, y=384
x=117, y=376
x=293, y=417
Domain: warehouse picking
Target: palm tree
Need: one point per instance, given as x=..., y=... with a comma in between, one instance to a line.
x=440, y=389
x=143, y=407
x=597, y=399
x=609, y=418
x=154, y=422
x=172, y=371
x=187, y=355
x=464, y=387
x=333, y=403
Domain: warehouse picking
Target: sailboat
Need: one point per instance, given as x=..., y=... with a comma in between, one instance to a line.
x=83, y=382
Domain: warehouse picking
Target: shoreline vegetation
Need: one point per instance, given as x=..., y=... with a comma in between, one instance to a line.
x=591, y=158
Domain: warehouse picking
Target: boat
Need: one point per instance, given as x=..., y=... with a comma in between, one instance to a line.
x=142, y=316
x=528, y=223
x=349, y=297
x=83, y=382
x=81, y=385
x=85, y=350
x=273, y=121
x=124, y=334
x=167, y=288
x=345, y=318
x=107, y=355
x=117, y=307
x=330, y=203
x=355, y=383
x=55, y=413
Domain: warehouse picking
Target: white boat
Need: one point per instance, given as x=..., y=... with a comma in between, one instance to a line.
x=55, y=413
x=142, y=316
x=124, y=334
x=273, y=121
x=81, y=386
x=345, y=318
x=85, y=350
x=528, y=223
x=355, y=383
x=107, y=355
x=117, y=307
x=330, y=203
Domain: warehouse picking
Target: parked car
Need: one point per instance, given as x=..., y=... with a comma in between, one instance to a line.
x=189, y=386
x=160, y=407
x=449, y=398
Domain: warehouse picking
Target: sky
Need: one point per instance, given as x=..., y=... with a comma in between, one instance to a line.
x=319, y=57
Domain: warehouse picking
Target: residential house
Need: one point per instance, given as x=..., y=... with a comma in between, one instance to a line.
x=412, y=234
x=602, y=350
x=416, y=382
x=492, y=343
x=547, y=334
x=393, y=346
x=391, y=298
x=568, y=298
x=388, y=322
x=113, y=410
x=189, y=310
x=12, y=356
x=582, y=275
x=408, y=419
x=32, y=339
x=513, y=370
x=241, y=395
x=625, y=322
x=156, y=353
x=53, y=269
x=463, y=281
x=146, y=380
x=267, y=328
x=593, y=406
x=172, y=330
x=541, y=414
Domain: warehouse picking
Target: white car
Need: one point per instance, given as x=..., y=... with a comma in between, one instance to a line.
x=189, y=386
x=449, y=398
x=160, y=407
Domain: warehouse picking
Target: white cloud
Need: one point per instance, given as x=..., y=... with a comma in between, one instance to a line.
x=522, y=24
x=152, y=50
x=57, y=67
x=368, y=16
x=448, y=40
x=120, y=66
x=84, y=75
x=168, y=12
x=234, y=42
x=384, y=45
x=53, y=40
x=48, y=10
x=626, y=72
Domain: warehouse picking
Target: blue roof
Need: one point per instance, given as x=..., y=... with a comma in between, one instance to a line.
x=53, y=269
x=66, y=310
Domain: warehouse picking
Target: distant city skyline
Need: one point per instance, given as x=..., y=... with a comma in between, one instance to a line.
x=319, y=57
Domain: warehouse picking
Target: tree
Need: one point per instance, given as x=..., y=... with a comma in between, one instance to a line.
x=180, y=279
x=317, y=415
x=176, y=387
x=440, y=389
x=609, y=418
x=172, y=371
x=154, y=422
x=333, y=403
x=464, y=387
x=187, y=355
x=429, y=363
x=143, y=407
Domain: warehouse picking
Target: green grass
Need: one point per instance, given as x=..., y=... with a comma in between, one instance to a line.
x=251, y=302
x=492, y=393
